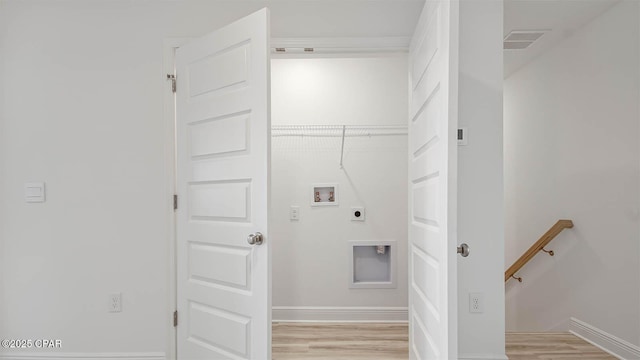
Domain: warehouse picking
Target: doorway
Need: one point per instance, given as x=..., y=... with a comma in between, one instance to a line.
x=427, y=211
x=339, y=121
x=389, y=146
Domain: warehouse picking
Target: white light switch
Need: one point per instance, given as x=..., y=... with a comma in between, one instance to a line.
x=34, y=192
x=294, y=213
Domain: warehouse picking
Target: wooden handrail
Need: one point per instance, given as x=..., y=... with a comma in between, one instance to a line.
x=538, y=246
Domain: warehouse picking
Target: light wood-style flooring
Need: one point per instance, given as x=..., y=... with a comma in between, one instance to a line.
x=340, y=341
x=389, y=341
x=533, y=346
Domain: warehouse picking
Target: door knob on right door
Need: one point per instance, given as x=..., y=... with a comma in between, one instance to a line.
x=463, y=250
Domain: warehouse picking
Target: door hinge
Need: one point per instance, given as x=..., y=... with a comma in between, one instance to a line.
x=175, y=318
x=175, y=202
x=173, y=82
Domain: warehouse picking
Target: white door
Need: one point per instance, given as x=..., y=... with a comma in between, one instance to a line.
x=223, y=142
x=433, y=67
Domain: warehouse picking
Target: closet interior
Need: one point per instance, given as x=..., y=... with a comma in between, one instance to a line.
x=339, y=187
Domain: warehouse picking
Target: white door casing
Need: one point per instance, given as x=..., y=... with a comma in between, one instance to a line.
x=223, y=146
x=433, y=78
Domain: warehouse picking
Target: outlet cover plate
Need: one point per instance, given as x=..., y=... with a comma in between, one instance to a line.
x=115, y=302
x=294, y=212
x=476, y=303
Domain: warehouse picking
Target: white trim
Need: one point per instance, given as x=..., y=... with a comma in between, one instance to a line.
x=339, y=314
x=168, y=67
x=482, y=357
x=605, y=341
x=345, y=45
x=87, y=356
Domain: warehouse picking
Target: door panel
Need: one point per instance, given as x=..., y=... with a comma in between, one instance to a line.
x=223, y=137
x=432, y=172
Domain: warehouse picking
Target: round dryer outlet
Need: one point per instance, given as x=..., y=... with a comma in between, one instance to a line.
x=357, y=214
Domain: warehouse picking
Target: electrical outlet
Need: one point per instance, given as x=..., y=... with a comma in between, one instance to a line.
x=115, y=302
x=294, y=213
x=476, y=303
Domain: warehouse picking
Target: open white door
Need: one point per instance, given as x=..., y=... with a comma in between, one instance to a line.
x=223, y=137
x=433, y=67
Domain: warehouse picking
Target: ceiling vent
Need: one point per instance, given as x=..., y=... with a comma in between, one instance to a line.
x=521, y=39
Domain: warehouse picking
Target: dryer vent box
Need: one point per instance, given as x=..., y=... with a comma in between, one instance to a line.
x=372, y=264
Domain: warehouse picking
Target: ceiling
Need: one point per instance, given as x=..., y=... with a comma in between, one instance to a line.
x=343, y=18
x=397, y=18
x=560, y=17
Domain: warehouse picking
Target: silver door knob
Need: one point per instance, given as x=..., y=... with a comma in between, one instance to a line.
x=463, y=250
x=255, y=239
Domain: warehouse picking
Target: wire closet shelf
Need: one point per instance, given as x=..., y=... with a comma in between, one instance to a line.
x=338, y=130
x=343, y=131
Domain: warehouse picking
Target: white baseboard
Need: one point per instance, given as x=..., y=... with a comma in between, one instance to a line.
x=482, y=357
x=339, y=314
x=84, y=356
x=605, y=341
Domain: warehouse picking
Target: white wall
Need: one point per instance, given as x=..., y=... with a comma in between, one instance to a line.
x=2, y=152
x=82, y=86
x=82, y=111
x=356, y=90
x=310, y=256
x=480, y=180
x=572, y=152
